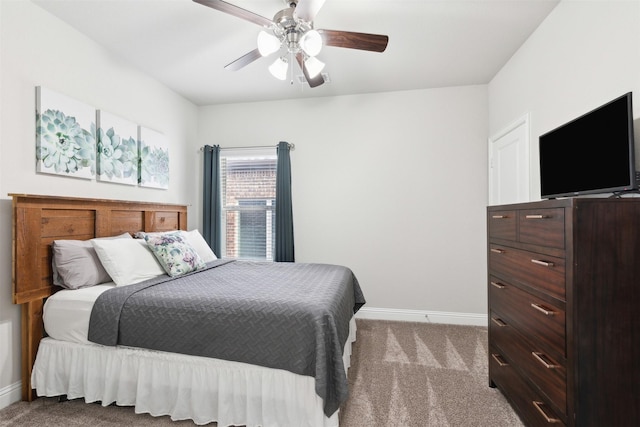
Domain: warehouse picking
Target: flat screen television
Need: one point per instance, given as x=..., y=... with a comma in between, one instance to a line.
x=591, y=154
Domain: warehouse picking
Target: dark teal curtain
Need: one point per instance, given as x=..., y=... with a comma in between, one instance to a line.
x=284, y=209
x=211, y=227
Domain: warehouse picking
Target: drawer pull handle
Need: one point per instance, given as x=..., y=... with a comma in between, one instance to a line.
x=546, y=362
x=499, y=217
x=536, y=216
x=498, y=358
x=497, y=251
x=498, y=285
x=543, y=263
x=543, y=310
x=548, y=418
x=498, y=321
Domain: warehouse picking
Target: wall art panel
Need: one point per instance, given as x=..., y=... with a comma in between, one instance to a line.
x=65, y=135
x=117, y=156
x=154, y=159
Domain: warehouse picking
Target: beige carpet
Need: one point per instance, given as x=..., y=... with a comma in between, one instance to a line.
x=402, y=374
x=417, y=374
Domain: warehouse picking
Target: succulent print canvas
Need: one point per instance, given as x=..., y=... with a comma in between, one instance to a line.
x=117, y=149
x=154, y=159
x=65, y=135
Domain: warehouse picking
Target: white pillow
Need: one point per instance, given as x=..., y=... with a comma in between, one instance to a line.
x=127, y=261
x=197, y=242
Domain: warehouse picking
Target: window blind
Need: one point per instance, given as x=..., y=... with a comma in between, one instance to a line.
x=248, y=191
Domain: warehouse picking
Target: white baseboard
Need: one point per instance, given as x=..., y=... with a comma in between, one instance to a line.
x=422, y=316
x=10, y=394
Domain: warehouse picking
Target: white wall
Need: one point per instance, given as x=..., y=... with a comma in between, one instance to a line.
x=584, y=54
x=392, y=185
x=38, y=49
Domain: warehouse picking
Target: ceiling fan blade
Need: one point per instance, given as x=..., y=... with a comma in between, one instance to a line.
x=239, y=12
x=308, y=9
x=313, y=82
x=244, y=60
x=351, y=40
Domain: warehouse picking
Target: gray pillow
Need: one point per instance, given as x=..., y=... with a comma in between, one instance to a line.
x=76, y=264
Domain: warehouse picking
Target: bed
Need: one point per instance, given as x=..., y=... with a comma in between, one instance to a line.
x=237, y=383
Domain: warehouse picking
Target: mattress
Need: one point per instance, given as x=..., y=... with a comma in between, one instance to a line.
x=159, y=383
x=66, y=313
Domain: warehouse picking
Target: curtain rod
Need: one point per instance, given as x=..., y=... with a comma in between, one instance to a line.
x=254, y=147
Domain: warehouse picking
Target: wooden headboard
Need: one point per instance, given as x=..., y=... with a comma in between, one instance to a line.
x=39, y=220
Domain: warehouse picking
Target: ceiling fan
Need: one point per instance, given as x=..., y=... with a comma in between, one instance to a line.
x=291, y=31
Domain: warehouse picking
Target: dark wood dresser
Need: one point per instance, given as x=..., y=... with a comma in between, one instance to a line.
x=564, y=310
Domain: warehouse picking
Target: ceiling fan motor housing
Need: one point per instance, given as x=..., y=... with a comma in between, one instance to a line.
x=284, y=19
x=289, y=29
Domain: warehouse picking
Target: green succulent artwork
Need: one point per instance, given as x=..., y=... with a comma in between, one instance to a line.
x=154, y=159
x=117, y=157
x=154, y=166
x=74, y=139
x=63, y=146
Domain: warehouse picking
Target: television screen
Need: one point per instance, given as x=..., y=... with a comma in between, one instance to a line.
x=591, y=154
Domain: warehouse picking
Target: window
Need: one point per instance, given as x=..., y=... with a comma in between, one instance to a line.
x=248, y=181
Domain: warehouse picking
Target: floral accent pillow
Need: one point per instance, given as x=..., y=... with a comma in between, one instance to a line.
x=176, y=256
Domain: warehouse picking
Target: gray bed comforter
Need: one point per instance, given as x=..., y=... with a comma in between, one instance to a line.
x=280, y=315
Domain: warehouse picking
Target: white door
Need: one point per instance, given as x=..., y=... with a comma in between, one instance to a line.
x=509, y=164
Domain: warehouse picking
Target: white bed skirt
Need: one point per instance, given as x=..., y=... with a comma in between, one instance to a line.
x=183, y=387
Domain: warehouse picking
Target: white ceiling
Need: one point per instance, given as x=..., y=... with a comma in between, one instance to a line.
x=432, y=43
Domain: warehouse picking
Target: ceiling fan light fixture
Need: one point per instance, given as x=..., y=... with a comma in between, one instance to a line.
x=267, y=43
x=313, y=66
x=291, y=32
x=279, y=68
x=311, y=42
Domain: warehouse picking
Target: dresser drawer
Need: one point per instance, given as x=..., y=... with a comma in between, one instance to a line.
x=543, y=272
x=530, y=314
x=548, y=374
x=502, y=225
x=530, y=405
x=544, y=227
